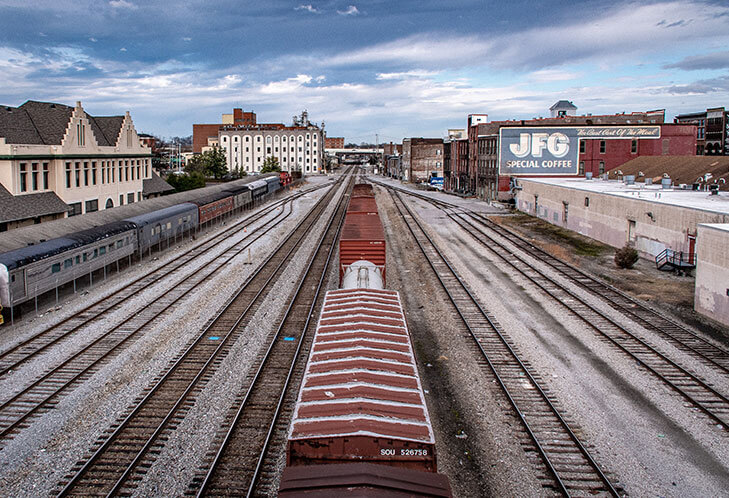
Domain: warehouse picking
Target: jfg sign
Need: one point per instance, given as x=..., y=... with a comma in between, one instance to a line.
x=538, y=151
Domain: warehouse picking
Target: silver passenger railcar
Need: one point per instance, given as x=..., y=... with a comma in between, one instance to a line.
x=164, y=224
x=30, y=271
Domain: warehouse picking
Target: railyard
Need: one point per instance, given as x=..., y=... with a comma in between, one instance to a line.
x=631, y=431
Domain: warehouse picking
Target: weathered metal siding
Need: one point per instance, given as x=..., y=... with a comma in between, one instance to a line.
x=362, y=238
x=361, y=398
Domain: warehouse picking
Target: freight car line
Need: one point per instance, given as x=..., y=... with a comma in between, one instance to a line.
x=238, y=458
x=572, y=469
x=673, y=332
x=689, y=385
x=130, y=446
x=19, y=353
x=15, y=412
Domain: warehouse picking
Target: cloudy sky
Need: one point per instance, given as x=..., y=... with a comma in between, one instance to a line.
x=396, y=68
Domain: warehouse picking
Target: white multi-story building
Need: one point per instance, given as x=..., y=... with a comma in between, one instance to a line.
x=89, y=162
x=298, y=148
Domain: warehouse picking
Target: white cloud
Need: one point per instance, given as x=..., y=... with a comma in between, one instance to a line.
x=286, y=86
x=550, y=75
x=351, y=11
x=603, y=38
x=308, y=8
x=92, y=39
x=406, y=75
x=187, y=39
x=123, y=49
x=122, y=4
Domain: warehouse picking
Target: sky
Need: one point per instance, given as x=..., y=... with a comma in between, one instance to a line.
x=371, y=70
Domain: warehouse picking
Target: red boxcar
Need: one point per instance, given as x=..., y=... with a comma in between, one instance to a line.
x=361, y=479
x=363, y=190
x=362, y=238
x=361, y=398
x=362, y=205
x=214, y=205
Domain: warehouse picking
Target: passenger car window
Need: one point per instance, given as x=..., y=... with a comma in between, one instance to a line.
x=56, y=268
x=68, y=263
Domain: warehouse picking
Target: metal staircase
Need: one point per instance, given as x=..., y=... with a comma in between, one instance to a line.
x=677, y=261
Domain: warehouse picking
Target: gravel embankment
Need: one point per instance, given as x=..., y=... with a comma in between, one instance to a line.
x=642, y=432
x=37, y=459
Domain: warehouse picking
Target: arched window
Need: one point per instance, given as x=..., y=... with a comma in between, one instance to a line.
x=268, y=139
x=109, y=204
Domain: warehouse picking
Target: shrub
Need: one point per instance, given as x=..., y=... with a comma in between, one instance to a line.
x=626, y=257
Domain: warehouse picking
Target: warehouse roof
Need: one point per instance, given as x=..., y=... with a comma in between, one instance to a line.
x=681, y=169
x=23, y=207
x=675, y=196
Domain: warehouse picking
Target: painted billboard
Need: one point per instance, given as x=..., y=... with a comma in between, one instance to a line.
x=538, y=151
x=555, y=150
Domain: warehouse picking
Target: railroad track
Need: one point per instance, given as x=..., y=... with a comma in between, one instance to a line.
x=18, y=410
x=552, y=445
x=681, y=337
x=694, y=389
x=27, y=349
x=239, y=463
x=130, y=445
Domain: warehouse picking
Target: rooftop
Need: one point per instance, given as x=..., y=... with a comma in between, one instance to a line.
x=23, y=207
x=45, y=123
x=675, y=196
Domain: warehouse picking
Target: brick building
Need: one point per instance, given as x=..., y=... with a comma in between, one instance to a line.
x=712, y=130
x=391, y=149
x=596, y=156
x=334, y=143
x=204, y=135
x=422, y=158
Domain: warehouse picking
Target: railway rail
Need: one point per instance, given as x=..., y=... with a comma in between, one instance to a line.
x=239, y=464
x=568, y=467
x=694, y=389
x=131, y=445
x=670, y=330
x=19, y=353
x=18, y=410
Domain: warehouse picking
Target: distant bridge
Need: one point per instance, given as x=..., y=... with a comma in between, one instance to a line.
x=354, y=155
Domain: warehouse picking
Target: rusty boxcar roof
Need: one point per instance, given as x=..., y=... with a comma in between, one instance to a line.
x=362, y=205
x=361, y=377
x=362, y=226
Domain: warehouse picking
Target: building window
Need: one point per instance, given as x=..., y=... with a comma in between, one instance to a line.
x=92, y=206
x=81, y=131
x=582, y=167
x=75, y=209
x=121, y=199
x=45, y=176
x=68, y=175
x=587, y=202
x=633, y=146
x=602, y=168
x=582, y=146
x=130, y=197
x=86, y=173
x=78, y=174
x=34, y=176
x=566, y=210
x=23, y=177
x=109, y=204
x=602, y=146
